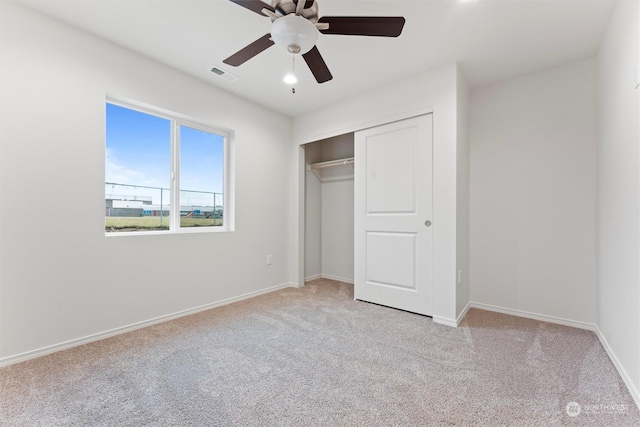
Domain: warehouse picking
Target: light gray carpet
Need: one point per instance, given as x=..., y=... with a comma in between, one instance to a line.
x=314, y=357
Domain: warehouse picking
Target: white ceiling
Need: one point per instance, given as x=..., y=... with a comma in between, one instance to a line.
x=492, y=40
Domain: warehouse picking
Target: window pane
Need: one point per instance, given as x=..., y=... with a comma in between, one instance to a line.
x=138, y=150
x=201, y=178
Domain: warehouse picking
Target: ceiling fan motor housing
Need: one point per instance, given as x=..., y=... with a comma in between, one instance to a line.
x=286, y=7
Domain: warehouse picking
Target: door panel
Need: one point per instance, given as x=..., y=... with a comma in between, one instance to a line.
x=391, y=259
x=393, y=199
x=391, y=167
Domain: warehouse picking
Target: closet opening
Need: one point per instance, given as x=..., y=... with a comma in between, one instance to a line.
x=329, y=214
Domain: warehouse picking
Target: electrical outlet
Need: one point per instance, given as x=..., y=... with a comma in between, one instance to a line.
x=269, y=260
x=459, y=277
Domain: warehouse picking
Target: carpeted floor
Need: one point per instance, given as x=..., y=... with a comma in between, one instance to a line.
x=314, y=357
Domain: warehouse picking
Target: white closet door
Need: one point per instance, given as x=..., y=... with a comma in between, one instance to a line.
x=393, y=208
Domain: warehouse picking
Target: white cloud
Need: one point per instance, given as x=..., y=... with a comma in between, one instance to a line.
x=116, y=172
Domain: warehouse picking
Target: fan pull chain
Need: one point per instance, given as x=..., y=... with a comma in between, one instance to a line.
x=293, y=70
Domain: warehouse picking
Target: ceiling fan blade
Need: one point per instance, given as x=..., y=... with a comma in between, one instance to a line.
x=245, y=54
x=254, y=5
x=382, y=26
x=317, y=65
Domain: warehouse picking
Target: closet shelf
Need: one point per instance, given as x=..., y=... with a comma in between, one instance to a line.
x=338, y=172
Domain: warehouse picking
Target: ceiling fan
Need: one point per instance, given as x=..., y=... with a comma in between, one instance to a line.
x=295, y=26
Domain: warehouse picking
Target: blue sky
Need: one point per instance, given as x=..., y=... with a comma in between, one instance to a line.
x=138, y=152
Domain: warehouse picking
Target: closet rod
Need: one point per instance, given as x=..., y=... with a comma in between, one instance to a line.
x=332, y=163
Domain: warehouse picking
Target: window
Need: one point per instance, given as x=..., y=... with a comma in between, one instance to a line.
x=164, y=173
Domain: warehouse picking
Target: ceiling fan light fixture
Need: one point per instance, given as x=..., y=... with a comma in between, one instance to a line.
x=290, y=79
x=294, y=33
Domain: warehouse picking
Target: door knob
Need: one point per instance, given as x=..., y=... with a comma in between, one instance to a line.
x=427, y=223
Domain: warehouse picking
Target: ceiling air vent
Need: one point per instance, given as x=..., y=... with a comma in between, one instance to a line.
x=224, y=74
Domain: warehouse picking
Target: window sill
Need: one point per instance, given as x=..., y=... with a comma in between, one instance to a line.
x=195, y=230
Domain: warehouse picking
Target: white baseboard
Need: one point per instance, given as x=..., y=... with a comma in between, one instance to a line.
x=534, y=316
x=310, y=278
x=462, y=314
x=573, y=323
x=9, y=360
x=444, y=321
x=339, y=279
x=623, y=373
x=451, y=322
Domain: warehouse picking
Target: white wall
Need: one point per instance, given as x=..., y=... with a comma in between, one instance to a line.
x=463, y=260
x=56, y=281
x=618, y=191
x=435, y=91
x=337, y=230
x=533, y=144
x=313, y=215
x=337, y=211
x=337, y=147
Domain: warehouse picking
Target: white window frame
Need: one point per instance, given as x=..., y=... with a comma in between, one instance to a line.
x=176, y=120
